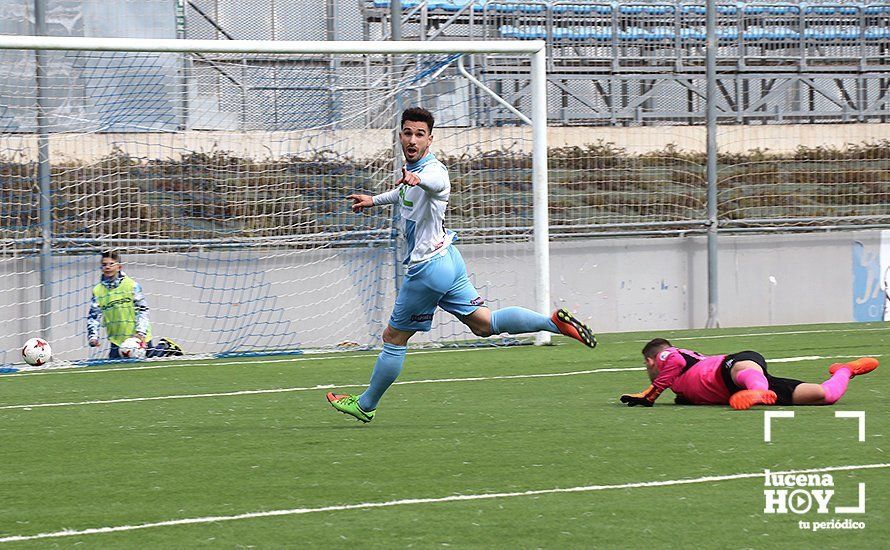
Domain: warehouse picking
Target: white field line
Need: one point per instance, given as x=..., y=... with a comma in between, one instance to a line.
x=313, y=388
x=436, y=500
x=334, y=356
x=813, y=358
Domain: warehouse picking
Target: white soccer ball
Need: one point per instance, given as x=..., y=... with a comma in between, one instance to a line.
x=132, y=348
x=36, y=351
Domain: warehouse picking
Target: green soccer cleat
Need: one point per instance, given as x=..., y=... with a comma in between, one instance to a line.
x=348, y=404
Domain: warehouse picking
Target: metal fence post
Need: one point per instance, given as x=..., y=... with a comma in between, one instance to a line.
x=711, y=116
x=395, y=11
x=43, y=177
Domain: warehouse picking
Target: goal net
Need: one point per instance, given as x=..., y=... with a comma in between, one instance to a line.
x=219, y=171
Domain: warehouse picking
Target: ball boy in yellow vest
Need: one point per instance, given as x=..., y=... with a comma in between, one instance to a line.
x=119, y=304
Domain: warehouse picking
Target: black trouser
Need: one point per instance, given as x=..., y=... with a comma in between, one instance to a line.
x=784, y=387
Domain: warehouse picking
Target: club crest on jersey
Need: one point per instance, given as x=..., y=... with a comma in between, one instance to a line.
x=406, y=202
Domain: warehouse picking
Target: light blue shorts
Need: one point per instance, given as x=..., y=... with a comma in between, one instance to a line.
x=441, y=281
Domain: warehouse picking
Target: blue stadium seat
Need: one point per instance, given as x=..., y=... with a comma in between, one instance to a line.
x=601, y=9
x=514, y=7
x=693, y=35
x=877, y=33
x=539, y=32
x=632, y=34
x=635, y=9
x=451, y=6
x=766, y=22
x=728, y=34
x=771, y=9
x=829, y=34
x=724, y=34
x=770, y=34
x=651, y=34
x=876, y=9
x=658, y=34
x=641, y=8
x=831, y=10
x=534, y=32
x=700, y=9
x=406, y=4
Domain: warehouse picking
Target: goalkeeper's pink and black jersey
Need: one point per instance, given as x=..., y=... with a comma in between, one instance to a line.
x=692, y=376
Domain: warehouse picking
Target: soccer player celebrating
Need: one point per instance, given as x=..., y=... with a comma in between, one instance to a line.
x=739, y=379
x=436, y=274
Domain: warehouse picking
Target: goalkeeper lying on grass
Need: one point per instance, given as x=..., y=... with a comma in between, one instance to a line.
x=739, y=379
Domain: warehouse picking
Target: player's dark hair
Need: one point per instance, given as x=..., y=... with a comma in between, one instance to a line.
x=113, y=254
x=418, y=114
x=654, y=346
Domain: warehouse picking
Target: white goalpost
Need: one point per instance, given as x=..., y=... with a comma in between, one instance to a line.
x=219, y=170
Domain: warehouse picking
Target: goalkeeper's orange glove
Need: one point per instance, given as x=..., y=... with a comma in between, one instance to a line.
x=645, y=398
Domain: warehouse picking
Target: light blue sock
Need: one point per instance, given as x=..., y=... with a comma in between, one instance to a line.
x=518, y=320
x=386, y=370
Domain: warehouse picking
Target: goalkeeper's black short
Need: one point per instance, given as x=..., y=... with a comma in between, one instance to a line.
x=784, y=387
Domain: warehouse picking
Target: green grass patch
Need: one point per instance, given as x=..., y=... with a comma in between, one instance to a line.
x=84, y=466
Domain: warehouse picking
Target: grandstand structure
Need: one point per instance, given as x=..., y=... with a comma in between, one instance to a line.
x=609, y=63
x=643, y=62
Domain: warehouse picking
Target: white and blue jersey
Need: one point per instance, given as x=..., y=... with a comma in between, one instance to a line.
x=422, y=210
x=436, y=275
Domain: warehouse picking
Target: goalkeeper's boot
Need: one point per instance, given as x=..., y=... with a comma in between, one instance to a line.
x=570, y=326
x=348, y=404
x=863, y=365
x=745, y=399
x=172, y=347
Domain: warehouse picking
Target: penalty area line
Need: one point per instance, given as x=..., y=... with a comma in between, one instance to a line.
x=433, y=500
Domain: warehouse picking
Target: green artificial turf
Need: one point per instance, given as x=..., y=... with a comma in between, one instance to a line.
x=457, y=430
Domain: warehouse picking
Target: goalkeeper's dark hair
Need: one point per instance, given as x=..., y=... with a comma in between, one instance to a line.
x=113, y=254
x=654, y=346
x=418, y=114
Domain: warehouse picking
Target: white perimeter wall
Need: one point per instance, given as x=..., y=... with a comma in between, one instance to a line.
x=661, y=283
x=621, y=284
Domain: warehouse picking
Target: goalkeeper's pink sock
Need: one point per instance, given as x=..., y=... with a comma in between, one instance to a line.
x=752, y=379
x=836, y=386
